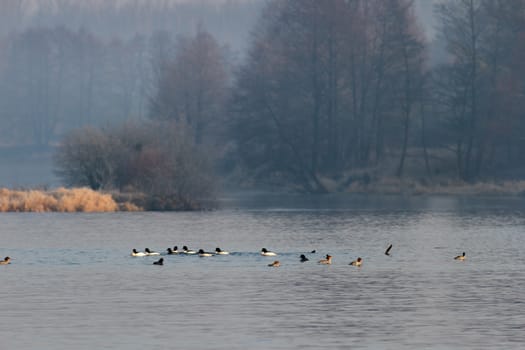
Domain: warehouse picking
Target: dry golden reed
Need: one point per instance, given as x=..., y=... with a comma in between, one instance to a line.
x=59, y=200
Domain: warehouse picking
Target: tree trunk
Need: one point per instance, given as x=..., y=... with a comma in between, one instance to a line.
x=424, y=141
x=407, y=107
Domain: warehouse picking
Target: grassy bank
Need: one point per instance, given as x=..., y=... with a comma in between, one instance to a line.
x=444, y=187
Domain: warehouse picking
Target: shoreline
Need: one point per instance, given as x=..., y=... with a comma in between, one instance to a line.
x=74, y=200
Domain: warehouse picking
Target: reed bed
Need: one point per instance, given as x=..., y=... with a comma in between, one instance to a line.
x=59, y=200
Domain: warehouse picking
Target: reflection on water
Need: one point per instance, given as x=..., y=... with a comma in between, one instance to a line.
x=74, y=285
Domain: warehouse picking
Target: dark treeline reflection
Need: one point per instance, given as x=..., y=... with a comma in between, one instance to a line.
x=318, y=95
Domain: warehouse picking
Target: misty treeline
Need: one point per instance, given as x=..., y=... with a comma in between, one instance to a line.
x=65, y=64
x=328, y=87
x=327, y=94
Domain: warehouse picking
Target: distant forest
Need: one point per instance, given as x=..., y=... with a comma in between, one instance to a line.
x=66, y=63
x=310, y=95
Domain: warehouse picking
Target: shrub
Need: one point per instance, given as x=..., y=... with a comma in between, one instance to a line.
x=159, y=159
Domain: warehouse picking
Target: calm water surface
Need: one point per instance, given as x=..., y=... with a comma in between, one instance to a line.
x=73, y=284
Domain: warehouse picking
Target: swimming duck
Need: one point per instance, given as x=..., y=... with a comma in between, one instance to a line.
x=172, y=251
x=276, y=263
x=135, y=253
x=387, y=251
x=185, y=250
x=357, y=262
x=266, y=252
x=218, y=251
x=303, y=258
x=460, y=257
x=326, y=261
x=312, y=252
x=149, y=252
x=159, y=262
x=202, y=253
x=7, y=260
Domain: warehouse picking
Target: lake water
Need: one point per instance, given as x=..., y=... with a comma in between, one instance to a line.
x=73, y=284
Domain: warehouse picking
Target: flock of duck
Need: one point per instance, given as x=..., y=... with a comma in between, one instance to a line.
x=218, y=251
x=264, y=252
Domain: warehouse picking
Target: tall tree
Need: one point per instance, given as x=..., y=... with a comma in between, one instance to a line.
x=462, y=28
x=193, y=86
x=410, y=76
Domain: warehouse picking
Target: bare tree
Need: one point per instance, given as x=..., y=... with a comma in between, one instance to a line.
x=193, y=85
x=321, y=85
x=462, y=27
x=474, y=88
x=411, y=75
